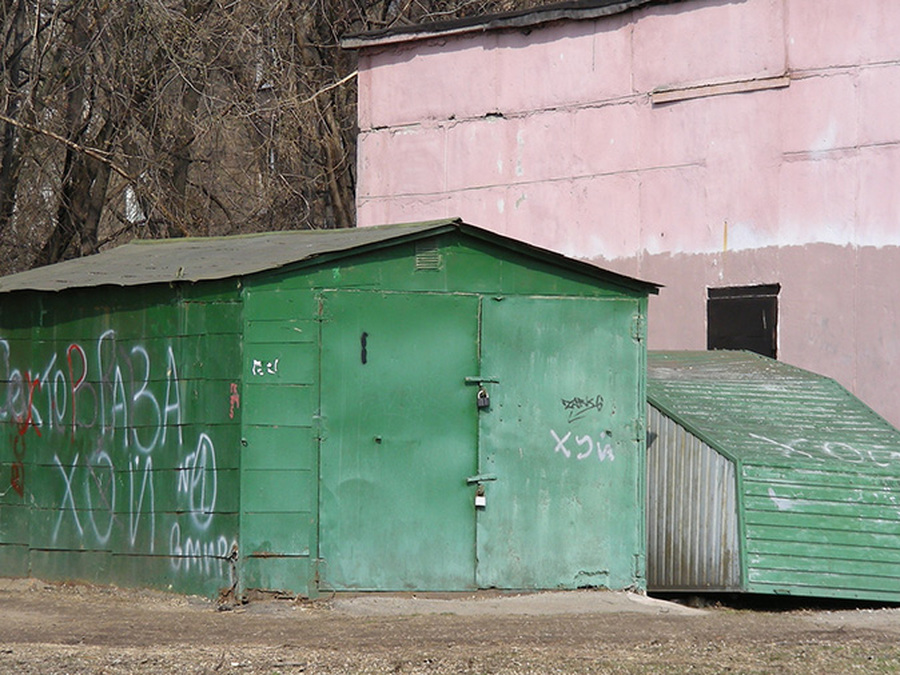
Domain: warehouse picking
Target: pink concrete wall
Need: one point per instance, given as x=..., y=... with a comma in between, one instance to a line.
x=553, y=137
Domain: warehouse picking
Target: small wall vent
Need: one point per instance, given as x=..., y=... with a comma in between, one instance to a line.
x=428, y=257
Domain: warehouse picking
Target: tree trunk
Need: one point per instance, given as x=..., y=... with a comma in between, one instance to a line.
x=84, y=179
x=10, y=63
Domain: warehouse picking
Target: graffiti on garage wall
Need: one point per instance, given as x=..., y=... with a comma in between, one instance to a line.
x=577, y=408
x=105, y=391
x=586, y=446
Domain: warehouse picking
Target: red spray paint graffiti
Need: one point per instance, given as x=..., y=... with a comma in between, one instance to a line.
x=234, y=401
x=17, y=472
x=24, y=422
x=121, y=408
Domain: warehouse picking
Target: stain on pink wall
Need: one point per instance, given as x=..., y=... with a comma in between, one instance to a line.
x=553, y=136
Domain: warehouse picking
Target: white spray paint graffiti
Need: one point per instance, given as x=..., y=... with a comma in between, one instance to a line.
x=68, y=497
x=577, y=408
x=204, y=555
x=604, y=452
x=114, y=397
x=136, y=503
x=261, y=369
x=821, y=451
x=781, y=503
x=106, y=494
x=197, y=480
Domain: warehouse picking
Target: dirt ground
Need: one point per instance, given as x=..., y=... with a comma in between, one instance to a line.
x=59, y=628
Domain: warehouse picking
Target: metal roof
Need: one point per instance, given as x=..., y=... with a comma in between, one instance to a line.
x=517, y=19
x=753, y=409
x=153, y=261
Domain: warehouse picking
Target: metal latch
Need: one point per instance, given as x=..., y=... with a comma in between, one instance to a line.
x=481, y=380
x=481, y=478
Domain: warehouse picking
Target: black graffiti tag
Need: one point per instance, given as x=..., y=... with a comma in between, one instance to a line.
x=578, y=407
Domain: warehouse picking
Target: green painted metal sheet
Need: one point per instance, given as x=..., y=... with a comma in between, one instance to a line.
x=166, y=396
x=557, y=458
x=279, y=405
x=281, y=363
x=826, y=533
x=817, y=493
x=283, y=302
x=465, y=265
x=144, y=263
x=121, y=450
x=14, y=560
x=277, y=491
x=272, y=572
x=399, y=440
x=93, y=566
x=209, y=318
x=285, y=448
x=756, y=409
x=14, y=524
x=279, y=458
x=561, y=436
x=281, y=331
x=276, y=533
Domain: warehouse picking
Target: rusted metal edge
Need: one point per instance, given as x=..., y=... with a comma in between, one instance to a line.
x=673, y=94
x=575, y=10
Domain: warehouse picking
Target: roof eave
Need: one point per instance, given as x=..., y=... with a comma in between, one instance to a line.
x=458, y=225
x=575, y=10
x=561, y=260
x=169, y=271
x=716, y=444
x=430, y=229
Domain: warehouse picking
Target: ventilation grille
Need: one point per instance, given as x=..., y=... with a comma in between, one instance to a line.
x=428, y=257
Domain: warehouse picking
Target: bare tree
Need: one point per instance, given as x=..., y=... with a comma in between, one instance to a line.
x=165, y=118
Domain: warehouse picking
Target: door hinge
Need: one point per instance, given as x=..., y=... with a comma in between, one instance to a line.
x=640, y=568
x=638, y=327
x=638, y=426
x=318, y=427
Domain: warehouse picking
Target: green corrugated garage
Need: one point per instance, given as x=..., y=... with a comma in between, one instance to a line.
x=425, y=406
x=766, y=478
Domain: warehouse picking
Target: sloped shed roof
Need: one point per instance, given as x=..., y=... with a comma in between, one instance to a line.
x=766, y=478
x=751, y=408
x=209, y=258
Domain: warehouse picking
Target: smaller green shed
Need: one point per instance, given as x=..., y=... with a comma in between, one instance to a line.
x=428, y=406
x=766, y=478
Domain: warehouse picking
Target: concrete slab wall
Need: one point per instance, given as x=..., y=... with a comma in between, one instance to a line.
x=697, y=144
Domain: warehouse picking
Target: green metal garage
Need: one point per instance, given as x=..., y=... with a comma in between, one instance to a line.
x=426, y=406
x=766, y=478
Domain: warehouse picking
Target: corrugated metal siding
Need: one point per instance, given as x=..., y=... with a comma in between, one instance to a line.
x=819, y=500
x=691, y=512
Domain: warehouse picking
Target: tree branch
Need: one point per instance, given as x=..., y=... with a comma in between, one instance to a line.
x=333, y=85
x=93, y=153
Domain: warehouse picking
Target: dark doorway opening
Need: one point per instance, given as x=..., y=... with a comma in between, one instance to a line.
x=743, y=317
